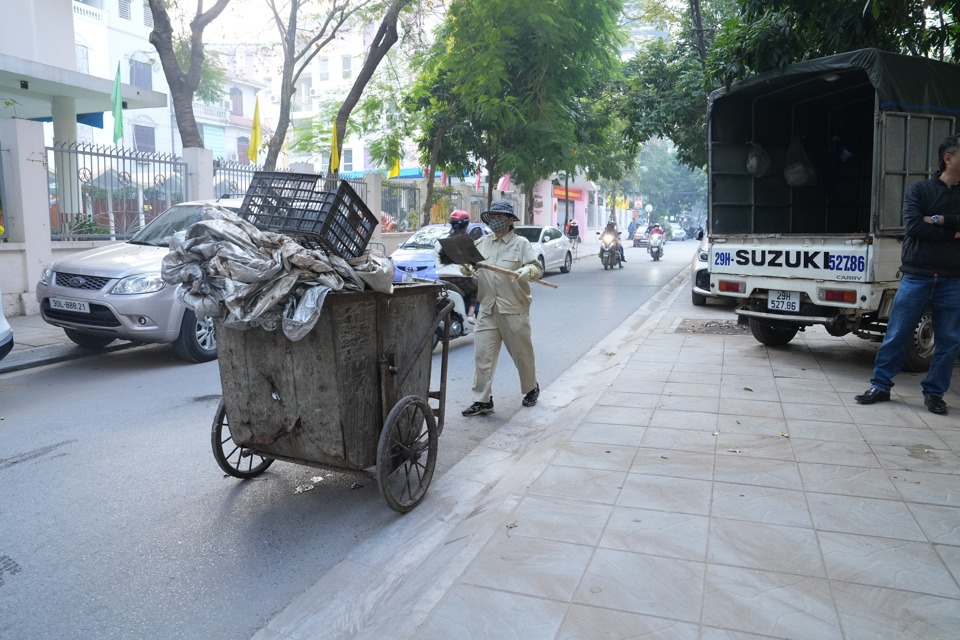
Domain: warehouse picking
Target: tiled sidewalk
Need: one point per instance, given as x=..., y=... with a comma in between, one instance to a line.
x=676, y=485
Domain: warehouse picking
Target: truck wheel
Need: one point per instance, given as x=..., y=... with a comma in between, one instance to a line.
x=770, y=334
x=697, y=299
x=920, y=349
x=88, y=340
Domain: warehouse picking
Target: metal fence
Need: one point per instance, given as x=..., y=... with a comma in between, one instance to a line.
x=105, y=193
x=232, y=178
x=400, y=207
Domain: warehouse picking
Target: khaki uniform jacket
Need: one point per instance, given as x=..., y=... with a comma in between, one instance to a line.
x=499, y=293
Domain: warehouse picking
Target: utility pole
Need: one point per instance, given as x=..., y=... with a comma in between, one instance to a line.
x=698, y=32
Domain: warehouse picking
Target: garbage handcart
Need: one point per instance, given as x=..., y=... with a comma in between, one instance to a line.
x=354, y=394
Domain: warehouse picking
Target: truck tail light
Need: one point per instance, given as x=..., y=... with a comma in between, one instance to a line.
x=731, y=286
x=847, y=296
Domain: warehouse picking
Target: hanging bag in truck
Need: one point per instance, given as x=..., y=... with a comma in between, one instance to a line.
x=798, y=170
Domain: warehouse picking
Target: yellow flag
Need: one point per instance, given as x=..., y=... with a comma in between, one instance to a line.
x=334, y=152
x=394, y=169
x=254, y=147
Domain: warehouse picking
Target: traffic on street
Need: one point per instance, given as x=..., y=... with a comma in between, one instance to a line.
x=112, y=494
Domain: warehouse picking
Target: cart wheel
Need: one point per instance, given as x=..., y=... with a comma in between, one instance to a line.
x=407, y=453
x=232, y=458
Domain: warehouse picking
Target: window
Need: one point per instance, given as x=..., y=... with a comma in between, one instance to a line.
x=141, y=74
x=347, y=164
x=324, y=69
x=83, y=59
x=147, y=15
x=346, y=62
x=243, y=145
x=144, y=138
x=236, y=102
x=124, y=8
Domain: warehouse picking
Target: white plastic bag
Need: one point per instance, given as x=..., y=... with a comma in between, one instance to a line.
x=798, y=171
x=758, y=161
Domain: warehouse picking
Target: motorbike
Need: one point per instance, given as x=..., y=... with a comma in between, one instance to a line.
x=609, y=251
x=459, y=327
x=655, y=246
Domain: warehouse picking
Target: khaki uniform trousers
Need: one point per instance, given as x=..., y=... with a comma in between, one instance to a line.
x=491, y=331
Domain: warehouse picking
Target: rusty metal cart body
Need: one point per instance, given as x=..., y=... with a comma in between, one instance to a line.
x=353, y=394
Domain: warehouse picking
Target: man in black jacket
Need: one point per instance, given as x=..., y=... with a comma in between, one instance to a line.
x=930, y=268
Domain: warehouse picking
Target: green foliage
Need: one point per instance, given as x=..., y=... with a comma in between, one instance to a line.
x=505, y=81
x=769, y=34
x=213, y=76
x=661, y=180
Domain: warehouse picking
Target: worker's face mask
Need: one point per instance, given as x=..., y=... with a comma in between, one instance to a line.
x=499, y=224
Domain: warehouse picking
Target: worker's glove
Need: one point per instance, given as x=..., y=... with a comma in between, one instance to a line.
x=526, y=272
x=468, y=270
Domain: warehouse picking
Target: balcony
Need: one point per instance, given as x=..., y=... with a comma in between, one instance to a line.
x=210, y=113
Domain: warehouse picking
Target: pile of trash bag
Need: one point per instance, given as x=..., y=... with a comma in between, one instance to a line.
x=229, y=269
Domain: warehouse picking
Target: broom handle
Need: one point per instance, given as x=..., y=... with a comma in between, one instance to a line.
x=513, y=274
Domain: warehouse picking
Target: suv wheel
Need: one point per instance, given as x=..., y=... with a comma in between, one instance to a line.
x=196, y=342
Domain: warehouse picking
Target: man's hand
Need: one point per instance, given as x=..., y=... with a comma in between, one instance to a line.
x=468, y=270
x=526, y=272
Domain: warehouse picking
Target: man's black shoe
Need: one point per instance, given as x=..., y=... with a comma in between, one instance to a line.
x=479, y=408
x=531, y=398
x=872, y=396
x=935, y=404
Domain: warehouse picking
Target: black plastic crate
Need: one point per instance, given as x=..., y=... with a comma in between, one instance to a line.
x=309, y=205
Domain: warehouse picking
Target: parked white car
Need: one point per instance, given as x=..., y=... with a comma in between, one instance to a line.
x=551, y=246
x=700, y=273
x=677, y=232
x=6, y=333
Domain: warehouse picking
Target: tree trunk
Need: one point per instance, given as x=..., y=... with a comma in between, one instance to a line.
x=289, y=42
x=385, y=38
x=434, y=154
x=183, y=85
x=528, y=205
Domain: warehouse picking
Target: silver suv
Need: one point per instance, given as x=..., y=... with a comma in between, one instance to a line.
x=116, y=292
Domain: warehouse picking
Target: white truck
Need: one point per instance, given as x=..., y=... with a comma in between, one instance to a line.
x=815, y=240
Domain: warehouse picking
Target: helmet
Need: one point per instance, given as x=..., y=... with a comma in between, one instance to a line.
x=459, y=220
x=656, y=225
x=573, y=223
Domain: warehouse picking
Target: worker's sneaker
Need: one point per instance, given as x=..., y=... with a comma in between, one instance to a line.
x=935, y=404
x=872, y=395
x=531, y=398
x=479, y=408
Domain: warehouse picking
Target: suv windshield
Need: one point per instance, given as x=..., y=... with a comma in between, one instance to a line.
x=176, y=218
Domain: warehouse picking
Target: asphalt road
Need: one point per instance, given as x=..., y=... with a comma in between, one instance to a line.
x=117, y=522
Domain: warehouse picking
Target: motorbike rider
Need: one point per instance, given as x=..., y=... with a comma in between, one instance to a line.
x=657, y=230
x=459, y=222
x=611, y=228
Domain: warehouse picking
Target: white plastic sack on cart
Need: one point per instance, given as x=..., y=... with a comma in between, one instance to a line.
x=229, y=269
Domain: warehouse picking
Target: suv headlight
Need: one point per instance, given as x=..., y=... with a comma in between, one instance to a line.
x=45, y=276
x=147, y=283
